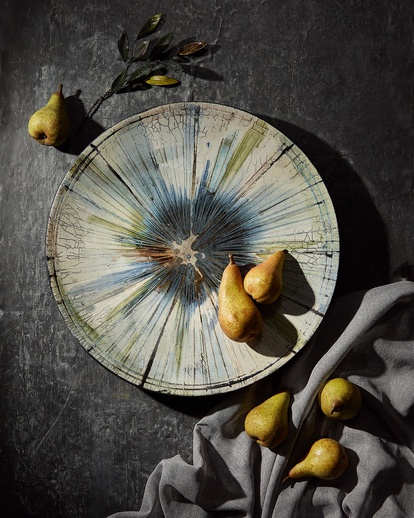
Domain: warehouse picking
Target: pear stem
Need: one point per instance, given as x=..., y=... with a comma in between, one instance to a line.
x=336, y=406
x=231, y=260
x=60, y=87
x=286, y=479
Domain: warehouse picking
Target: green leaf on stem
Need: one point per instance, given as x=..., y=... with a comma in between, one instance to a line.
x=140, y=51
x=119, y=81
x=162, y=44
x=140, y=73
x=123, y=45
x=150, y=26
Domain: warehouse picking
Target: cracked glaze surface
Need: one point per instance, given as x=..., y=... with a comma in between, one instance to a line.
x=140, y=232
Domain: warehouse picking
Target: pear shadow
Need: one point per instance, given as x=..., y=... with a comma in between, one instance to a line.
x=349, y=480
x=279, y=335
x=404, y=271
x=334, y=323
x=296, y=287
x=79, y=138
x=366, y=362
x=377, y=418
x=393, y=480
x=364, y=257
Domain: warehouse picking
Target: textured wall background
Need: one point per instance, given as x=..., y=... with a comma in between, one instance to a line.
x=336, y=77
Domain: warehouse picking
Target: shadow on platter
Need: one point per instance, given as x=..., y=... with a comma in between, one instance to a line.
x=280, y=332
x=364, y=260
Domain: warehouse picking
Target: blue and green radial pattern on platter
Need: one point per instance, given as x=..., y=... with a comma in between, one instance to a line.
x=141, y=228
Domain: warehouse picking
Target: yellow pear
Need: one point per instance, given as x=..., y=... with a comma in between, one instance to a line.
x=238, y=316
x=267, y=423
x=50, y=125
x=264, y=282
x=340, y=399
x=327, y=459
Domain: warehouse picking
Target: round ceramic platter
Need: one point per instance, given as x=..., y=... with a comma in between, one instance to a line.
x=140, y=232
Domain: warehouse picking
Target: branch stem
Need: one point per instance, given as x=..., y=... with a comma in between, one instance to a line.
x=95, y=107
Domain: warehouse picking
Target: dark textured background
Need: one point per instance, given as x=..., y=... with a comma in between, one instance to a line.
x=335, y=76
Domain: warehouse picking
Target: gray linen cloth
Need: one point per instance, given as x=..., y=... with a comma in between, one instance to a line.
x=367, y=337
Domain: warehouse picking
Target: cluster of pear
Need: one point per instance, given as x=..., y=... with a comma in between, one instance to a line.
x=50, y=125
x=268, y=425
x=238, y=315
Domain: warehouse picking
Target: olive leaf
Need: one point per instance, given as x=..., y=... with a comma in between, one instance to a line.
x=150, y=26
x=140, y=73
x=162, y=44
x=123, y=45
x=140, y=51
x=192, y=48
x=159, y=80
x=119, y=81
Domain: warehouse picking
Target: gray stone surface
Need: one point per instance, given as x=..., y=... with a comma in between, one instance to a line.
x=336, y=77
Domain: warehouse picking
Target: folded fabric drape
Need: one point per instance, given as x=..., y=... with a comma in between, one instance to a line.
x=367, y=337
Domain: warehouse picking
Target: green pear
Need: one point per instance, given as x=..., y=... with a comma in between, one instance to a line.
x=340, y=399
x=264, y=282
x=267, y=423
x=50, y=125
x=326, y=459
x=238, y=316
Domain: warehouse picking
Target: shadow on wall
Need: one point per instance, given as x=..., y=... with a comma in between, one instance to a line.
x=364, y=258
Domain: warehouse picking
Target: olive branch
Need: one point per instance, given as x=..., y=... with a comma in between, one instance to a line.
x=149, y=61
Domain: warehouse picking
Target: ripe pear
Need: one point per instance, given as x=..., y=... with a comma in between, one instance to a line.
x=50, y=125
x=264, y=282
x=326, y=459
x=340, y=399
x=267, y=423
x=238, y=316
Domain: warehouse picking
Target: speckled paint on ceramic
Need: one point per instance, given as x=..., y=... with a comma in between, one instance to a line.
x=141, y=228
